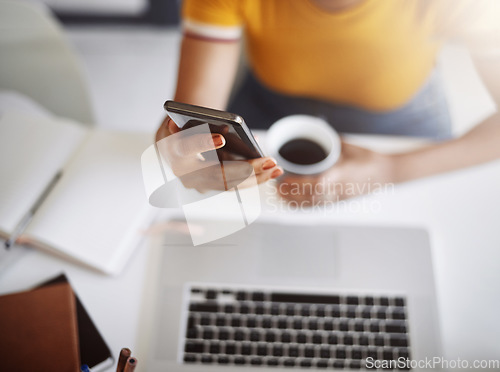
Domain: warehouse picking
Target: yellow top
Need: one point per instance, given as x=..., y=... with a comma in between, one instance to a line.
x=375, y=55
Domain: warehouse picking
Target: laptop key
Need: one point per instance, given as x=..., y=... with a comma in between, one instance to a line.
x=259, y=309
x=262, y=349
x=208, y=334
x=384, y=301
x=297, y=324
x=399, y=301
x=229, y=309
x=363, y=340
x=193, y=347
x=266, y=322
x=256, y=361
x=309, y=352
x=398, y=340
x=332, y=339
x=343, y=326
x=374, y=327
x=189, y=358
x=398, y=313
x=272, y=362
x=286, y=337
x=236, y=321
x=322, y=363
x=379, y=341
x=244, y=309
x=206, y=359
x=246, y=349
x=210, y=294
x=192, y=333
x=239, y=336
x=328, y=325
x=277, y=350
x=306, y=363
x=206, y=307
x=320, y=311
x=313, y=324
x=305, y=298
x=324, y=352
x=289, y=363
x=355, y=364
x=230, y=348
x=317, y=338
x=348, y=340
x=239, y=360
x=223, y=360
x=293, y=351
x=369, y=301
x=220, y=321
x=251, y=322
x=214, y=348
x=283, y=323
x=301, y=338
x=223, y=334
x=395, y=327
x=340, y=353
x=258, y=296
x=388, y=355
x=270, y=336
x=205, y=320
x=255, y=336
x=356, y=353
x=338, y=364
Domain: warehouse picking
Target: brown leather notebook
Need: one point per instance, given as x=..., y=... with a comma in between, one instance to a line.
x=38, y=330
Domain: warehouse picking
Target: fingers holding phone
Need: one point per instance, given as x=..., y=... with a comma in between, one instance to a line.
x=210, y=149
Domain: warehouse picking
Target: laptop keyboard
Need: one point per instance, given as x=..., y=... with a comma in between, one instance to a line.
x=227, y=326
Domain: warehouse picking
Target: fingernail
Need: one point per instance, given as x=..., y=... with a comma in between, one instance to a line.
x=278, y=172
x=218, y=140
x=268, y=164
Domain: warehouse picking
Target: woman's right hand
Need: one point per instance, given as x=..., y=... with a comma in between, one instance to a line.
x=185, y=157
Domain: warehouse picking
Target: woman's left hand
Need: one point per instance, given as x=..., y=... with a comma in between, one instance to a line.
x=358, y=171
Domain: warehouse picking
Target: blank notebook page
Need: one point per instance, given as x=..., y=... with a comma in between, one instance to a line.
x=32, y=150
x=99, y=205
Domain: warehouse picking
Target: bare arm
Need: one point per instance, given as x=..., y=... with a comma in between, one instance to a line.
x=206, y=71
x=205, y=76
x=481, y=144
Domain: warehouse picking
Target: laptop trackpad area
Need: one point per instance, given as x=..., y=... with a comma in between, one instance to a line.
x=261, y=252
x=297, y=252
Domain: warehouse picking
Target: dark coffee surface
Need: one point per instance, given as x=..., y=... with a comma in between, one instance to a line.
x=302, y=151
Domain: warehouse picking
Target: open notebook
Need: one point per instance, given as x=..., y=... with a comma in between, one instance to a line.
x=96, y=210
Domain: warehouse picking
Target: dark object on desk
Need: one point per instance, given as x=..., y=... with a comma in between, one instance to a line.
x=126, y=362
x=122, y=359
x=39, y=330
x=93, y=348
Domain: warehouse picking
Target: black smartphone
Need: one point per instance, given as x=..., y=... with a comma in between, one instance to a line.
x=240, y=143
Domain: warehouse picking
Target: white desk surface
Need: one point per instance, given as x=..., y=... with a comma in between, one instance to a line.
x=460, y=209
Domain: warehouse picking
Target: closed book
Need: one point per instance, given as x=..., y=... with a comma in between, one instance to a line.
x=39, y=331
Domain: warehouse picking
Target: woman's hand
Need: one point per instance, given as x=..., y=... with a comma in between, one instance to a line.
x=358, y=171
x=184, y=156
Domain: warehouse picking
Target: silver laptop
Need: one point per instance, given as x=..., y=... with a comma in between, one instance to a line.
x=273, y=297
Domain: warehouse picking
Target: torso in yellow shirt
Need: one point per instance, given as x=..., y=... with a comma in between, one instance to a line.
x=375, y=55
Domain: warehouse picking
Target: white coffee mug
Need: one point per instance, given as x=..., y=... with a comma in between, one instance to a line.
x=303, y=127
